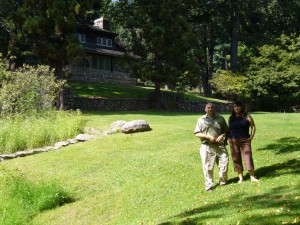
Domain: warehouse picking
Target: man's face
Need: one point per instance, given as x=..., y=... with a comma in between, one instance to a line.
x=210, y=109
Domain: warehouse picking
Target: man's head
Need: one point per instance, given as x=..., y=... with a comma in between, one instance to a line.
x=210, y=109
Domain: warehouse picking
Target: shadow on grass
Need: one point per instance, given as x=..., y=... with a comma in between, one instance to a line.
x=276, y=199
x=278, y=202
x=289, y=167
x=284, y=145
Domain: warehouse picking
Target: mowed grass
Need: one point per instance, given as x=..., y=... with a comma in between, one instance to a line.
x=108, y=91
x=156, y=177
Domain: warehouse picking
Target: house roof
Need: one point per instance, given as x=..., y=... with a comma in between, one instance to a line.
x=109, y=52
x=96, y=28
x=89, y=28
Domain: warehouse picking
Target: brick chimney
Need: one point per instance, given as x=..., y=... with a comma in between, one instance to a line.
x=102, y=23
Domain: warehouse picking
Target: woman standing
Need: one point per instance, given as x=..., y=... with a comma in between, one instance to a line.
x=240, y=140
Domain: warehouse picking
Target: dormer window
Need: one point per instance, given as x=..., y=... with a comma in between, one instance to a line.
x=82, y=38
x=104, y=42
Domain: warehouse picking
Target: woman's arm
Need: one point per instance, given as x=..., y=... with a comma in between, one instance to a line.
x=252, y=125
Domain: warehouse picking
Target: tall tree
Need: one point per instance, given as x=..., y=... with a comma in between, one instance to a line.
x=210, y=21
x=46, y=28
x=7, y=29
x=159, y=32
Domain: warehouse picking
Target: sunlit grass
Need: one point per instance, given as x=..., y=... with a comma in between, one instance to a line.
x=156, y=177
x=21, y=200
x=38, y=130
x=106, y=90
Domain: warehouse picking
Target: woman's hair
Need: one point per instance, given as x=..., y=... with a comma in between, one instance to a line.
x=239, y=103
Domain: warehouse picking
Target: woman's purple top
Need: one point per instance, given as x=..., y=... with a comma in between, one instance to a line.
x=239, y=127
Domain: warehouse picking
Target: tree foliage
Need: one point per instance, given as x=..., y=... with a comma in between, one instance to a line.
x=160, y=33
x=43, y=32
x=231, y=85
x=275, y=74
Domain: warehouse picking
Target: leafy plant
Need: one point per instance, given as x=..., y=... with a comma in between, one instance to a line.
x=231, y=85
x=27, y=89
x=275, y=74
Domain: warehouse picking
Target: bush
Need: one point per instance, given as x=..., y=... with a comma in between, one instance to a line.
x=231, y=85
x=26, y=89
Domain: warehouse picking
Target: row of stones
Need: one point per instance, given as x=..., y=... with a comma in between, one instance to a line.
x=57, y=145
x=90, y=133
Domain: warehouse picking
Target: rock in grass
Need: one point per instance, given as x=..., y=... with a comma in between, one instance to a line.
x=60, y=144
x=135, y=126
x=84, y=137
x=116, y=126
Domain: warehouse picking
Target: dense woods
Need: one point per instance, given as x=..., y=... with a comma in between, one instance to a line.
x=245, y=49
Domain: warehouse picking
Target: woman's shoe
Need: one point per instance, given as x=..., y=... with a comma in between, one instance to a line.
x=254, y=179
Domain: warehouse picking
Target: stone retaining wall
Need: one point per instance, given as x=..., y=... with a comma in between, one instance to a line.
x=131, y=104
x=96, y=75
x=194, y=106
x=100, y=104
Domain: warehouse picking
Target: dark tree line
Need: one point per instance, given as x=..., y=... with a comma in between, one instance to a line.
x=183, y=43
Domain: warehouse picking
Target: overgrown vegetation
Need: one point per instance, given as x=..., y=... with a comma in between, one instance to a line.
x=38, y=130
x=27, y=117
x=26, y=89
x=21, y=199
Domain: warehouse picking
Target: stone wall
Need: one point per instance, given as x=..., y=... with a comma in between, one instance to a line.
x=95, y=75
x=131, y=104
x=100, y=104
x=194, y=106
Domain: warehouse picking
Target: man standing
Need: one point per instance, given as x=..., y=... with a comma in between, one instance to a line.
x=212, y=130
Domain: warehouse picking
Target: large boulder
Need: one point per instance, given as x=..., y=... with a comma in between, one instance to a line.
x=117, y=126
x=135, y=126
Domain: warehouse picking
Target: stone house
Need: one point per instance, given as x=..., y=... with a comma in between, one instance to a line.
x=104, y=60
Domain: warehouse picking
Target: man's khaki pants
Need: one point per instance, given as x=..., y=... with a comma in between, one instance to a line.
x=211, y=154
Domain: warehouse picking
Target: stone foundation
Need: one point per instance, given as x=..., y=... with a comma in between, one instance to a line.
x=96, y=75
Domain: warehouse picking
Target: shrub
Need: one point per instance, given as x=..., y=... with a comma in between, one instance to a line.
x=26, y=89
x=231, y=85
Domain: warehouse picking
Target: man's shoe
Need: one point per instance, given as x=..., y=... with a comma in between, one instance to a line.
x=222, y=183
x=209, y=190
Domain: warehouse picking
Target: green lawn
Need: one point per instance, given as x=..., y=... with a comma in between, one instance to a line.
x=155, y=177
x=106, y=90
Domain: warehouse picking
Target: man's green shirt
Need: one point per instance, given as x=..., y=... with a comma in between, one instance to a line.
x=213, y=126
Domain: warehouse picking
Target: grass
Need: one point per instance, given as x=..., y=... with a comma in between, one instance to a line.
x=106, y=90
x=156, y=177
x=21, y=200
x=38, y=130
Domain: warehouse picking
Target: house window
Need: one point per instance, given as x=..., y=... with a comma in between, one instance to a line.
x=109, y=42
x=82, y=38
x=104, y=42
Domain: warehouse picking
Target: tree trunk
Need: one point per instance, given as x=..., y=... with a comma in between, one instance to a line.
x=225, y=63
x=60, y=76
x=157, y=96
x=234, y=36
x=210, y=69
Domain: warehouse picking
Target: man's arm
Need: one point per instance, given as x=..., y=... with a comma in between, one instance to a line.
x=208, y=137
x=222, y=137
